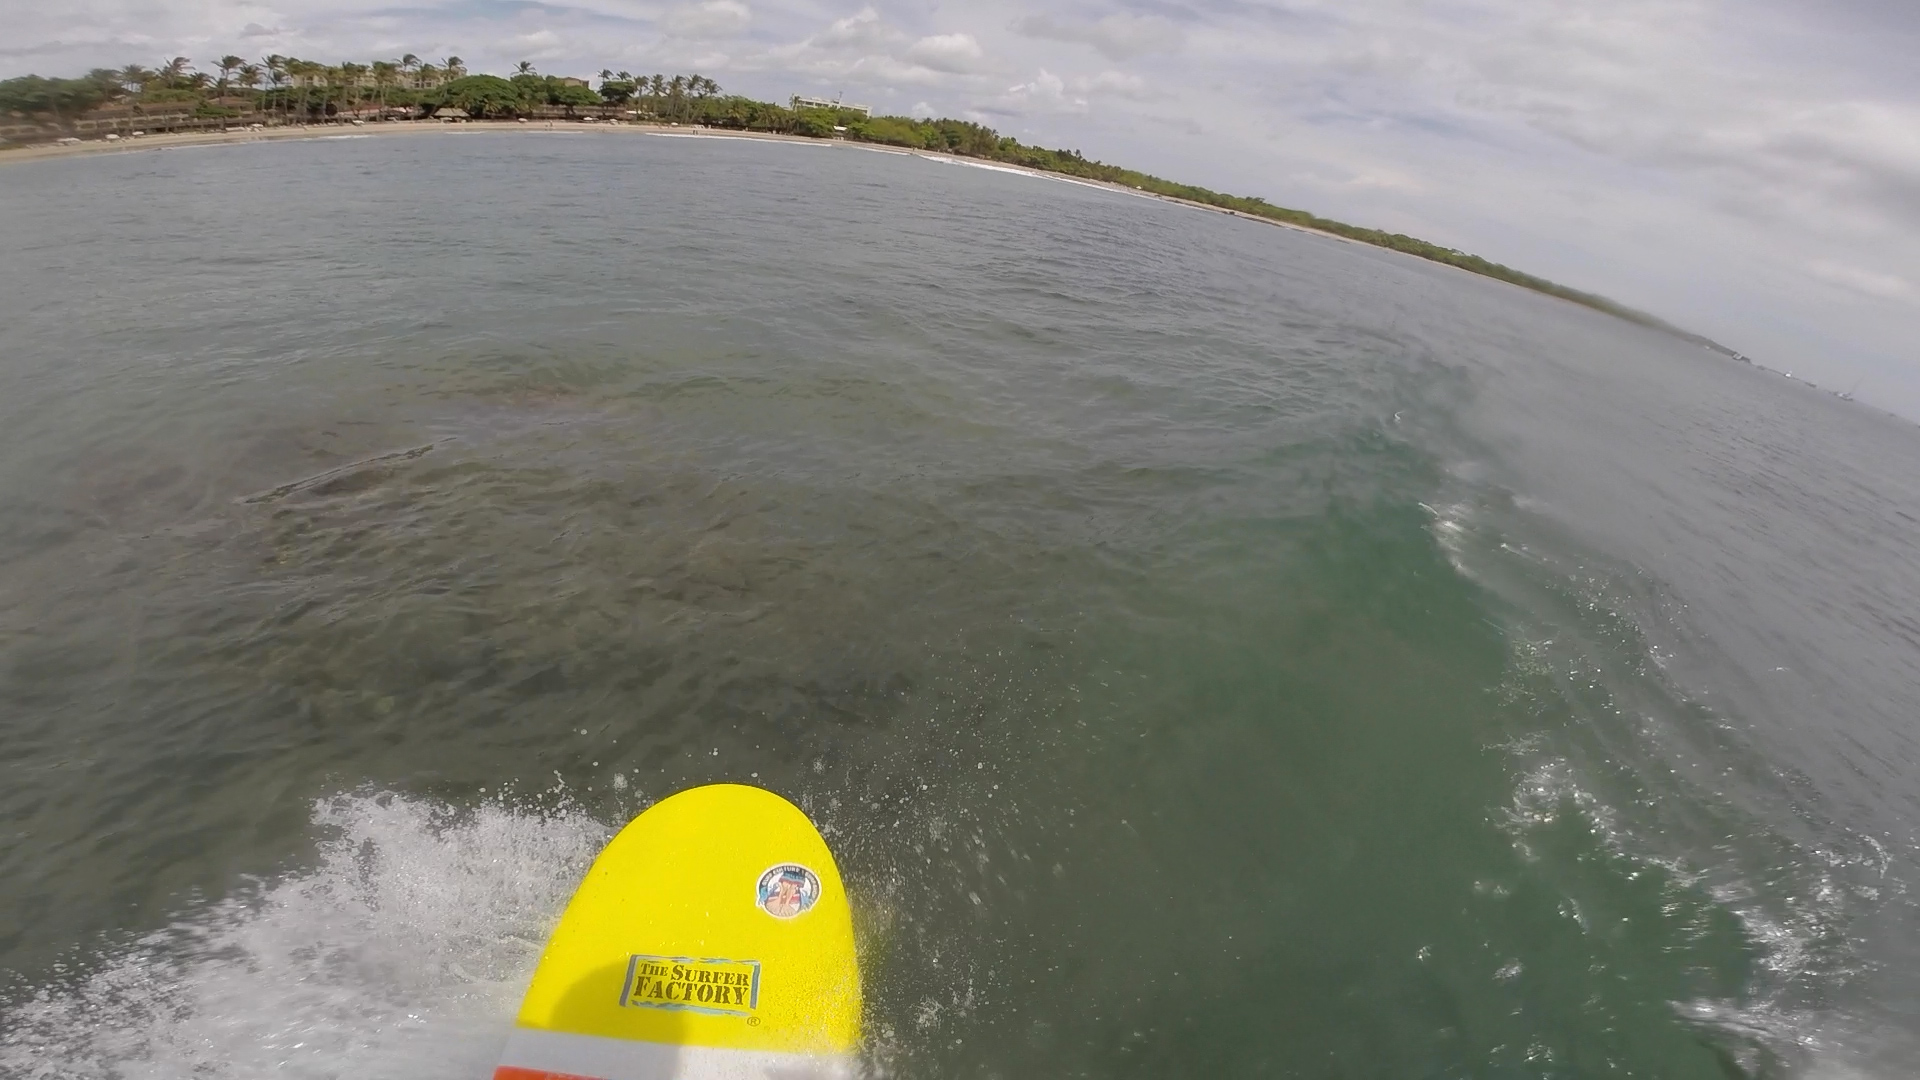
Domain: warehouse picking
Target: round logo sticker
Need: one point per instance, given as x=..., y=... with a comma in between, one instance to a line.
x=787, y=890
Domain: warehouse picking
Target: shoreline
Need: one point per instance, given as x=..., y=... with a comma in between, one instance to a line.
x=296, y=133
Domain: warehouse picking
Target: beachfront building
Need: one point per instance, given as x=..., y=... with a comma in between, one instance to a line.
x=308, y=76
x=801, y=101
x=320, y=78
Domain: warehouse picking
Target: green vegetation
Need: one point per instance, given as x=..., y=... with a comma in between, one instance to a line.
x=481, y=96
x=278, y=88
x=61, y=99
x=284, y=89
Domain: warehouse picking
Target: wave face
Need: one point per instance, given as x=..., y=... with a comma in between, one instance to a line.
x=1211, y=649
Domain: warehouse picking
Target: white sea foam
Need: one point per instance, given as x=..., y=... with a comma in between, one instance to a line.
x=1792, y=936
x=1451, y=527
x=403, y=952
x=1008, y=169
x=731, y=138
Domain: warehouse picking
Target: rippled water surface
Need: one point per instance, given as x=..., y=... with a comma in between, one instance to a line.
x=1213, y=650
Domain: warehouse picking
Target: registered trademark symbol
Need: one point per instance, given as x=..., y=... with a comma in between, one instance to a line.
x=753, y=1021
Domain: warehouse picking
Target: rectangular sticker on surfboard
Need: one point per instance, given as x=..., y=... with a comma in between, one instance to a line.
x=727, y=987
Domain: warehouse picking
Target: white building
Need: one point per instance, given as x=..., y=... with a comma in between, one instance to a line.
x=801, y=101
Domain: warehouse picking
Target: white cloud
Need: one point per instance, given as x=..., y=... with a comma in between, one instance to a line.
x=1384, y=179
x=711, y=19
x=1869, y=282
x=865, y=48
x=862, y=30
x=1120, y=36
x=1117, y=83
x=1045, y=92
x=956, y=53
x=1044, y=85
x=540, y=45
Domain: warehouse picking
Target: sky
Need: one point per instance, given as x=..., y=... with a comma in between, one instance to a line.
x=1746, y=169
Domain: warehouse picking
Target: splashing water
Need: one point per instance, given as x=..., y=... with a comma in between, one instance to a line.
x=403, y=952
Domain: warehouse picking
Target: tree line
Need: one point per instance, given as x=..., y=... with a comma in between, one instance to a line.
x=284, y=85
x=292, y=90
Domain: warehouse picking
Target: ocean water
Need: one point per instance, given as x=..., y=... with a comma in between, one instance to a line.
x=1212, y=650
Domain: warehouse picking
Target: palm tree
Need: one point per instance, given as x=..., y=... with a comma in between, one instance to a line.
x=677, y=94
x=524, y=67
x=336, y=77
x=633, y=89
x=275, y=67
x=456, y=67
x=314, y=76
x=426, y=75
x=174, y=71
x=227, y=65
x=136, y=78
x=352, y=78
x=385, y=74
x=606, y=76
x=107, y=84
x=250, y=78
x=300, y=72
x=409, y=63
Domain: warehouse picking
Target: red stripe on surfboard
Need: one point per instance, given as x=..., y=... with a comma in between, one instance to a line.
x=515, y=1072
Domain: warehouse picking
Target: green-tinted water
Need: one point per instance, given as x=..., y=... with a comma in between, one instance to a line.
x=1213, y=650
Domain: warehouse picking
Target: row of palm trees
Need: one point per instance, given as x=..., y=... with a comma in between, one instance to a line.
x=288, y=83
x=274, y=72
x=352, y=85
x=677, y=96
x=277, y=70
x=296, y=88
x=660, y=86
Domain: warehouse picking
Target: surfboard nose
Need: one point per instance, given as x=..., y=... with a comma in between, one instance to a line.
x=712, y=937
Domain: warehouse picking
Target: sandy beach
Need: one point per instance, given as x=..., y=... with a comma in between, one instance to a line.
x=168, y=140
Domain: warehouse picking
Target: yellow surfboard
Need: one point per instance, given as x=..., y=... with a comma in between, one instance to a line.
x=711, y=938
